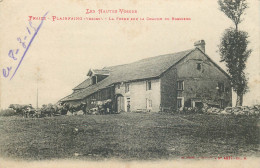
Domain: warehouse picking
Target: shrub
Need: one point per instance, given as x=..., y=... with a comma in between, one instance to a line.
x=7, y=112
x=189, y=110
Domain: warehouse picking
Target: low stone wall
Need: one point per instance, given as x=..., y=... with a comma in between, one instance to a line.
x=241, y=110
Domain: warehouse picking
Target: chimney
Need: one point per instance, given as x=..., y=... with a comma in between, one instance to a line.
x=200, y=44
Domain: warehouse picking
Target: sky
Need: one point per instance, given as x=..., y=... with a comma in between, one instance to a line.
x=62, y=52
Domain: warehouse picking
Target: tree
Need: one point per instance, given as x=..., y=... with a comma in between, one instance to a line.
x=233, y=47
x=233, y=9
x=234, y=52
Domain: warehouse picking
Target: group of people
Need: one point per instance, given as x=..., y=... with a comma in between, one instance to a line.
x=27, y=111
x=49, y=110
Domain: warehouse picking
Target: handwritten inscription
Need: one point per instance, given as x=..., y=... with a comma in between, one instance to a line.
x=14, y=53
x=25, y=41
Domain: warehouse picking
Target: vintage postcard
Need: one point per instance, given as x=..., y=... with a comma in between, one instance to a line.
x=129, y=83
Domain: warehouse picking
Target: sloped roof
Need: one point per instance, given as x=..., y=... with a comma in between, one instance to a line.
x=101, y=71
x=143, y=69
x=88, y=81
x=98, y=72
x=84, y=84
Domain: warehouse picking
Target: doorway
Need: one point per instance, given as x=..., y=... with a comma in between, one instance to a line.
x=120, y=104
x=199, y=105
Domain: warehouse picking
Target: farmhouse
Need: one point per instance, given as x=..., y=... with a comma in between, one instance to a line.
x=167, y=82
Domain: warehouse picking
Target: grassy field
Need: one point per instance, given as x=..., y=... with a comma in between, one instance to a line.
x=129, y=136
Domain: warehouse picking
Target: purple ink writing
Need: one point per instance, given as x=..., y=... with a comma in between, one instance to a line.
x=22, y=40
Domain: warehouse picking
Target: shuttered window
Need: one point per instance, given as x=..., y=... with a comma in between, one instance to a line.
x=221, y=87
x=148, y=85
x=127, y=87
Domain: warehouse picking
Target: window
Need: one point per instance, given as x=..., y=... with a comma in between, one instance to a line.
x=180, y=102
x=127, y=87
x=148, y=85
x=180, y=85
x=221, y=87
x=94, y=80
x=199, y=66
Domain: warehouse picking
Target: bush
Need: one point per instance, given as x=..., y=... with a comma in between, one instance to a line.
x=190, y=110
x=7, y=112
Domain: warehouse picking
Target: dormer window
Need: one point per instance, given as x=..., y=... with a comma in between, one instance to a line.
x=97, y=75
x=94, y=80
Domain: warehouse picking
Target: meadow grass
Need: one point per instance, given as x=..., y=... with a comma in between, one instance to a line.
x=129, y=136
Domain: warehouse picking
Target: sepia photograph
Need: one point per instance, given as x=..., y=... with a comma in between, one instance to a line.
x=129, y=83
